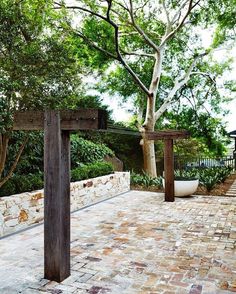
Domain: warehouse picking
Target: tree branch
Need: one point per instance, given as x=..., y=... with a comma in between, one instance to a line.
x=178, y=84
x=4, y=139
x=138, y=29
x=141, y=7
x=80, y=8
x=191, y=6
x=121, y=5
x=119, y=57
x=13, y=167
x=166, y=13
x=92, y=44
x=178, y=13
x=203, y=74
x=138, y=54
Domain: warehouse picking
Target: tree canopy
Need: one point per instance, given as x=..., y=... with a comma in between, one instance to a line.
x=38, y=68
x=153, y=52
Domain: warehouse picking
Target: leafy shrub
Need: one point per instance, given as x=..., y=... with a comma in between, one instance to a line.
x=91, y=170
x=31, y=160
x=145, y=180
x=31, y=182
x=28, y=182
x=223, y=173
x=8, y=188
x=22, y=183
x=85, y=151
x=208, y=177
x=209, y=181
x=186, y=174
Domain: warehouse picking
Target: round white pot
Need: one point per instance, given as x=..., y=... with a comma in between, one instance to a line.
x=184, y=187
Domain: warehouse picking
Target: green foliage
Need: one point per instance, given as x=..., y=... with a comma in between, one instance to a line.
x=91, y=170
x=190, y=174
x=30, y=182
x=209, y=181
x=37, y=67
x=203, y=90
x=208, y=131
x=31, y=160
x=127, y=148
x=8, y=188
x=85, y=151
x=208, y=177
x=145, y=180
x=22, y=183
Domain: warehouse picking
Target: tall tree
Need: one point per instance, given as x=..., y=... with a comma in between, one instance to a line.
x=37, y=67
x=157, y=43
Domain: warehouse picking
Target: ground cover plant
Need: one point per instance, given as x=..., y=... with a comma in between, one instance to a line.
x=145, y=180
x=209, y=178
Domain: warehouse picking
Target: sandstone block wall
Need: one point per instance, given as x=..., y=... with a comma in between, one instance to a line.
x=22, y=210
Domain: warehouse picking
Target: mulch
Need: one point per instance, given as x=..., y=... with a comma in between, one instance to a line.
x=219, y=190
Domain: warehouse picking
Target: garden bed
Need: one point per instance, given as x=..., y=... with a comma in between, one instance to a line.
x=219, y=190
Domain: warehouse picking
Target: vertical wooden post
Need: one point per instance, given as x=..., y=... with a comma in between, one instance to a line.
x=169, y=170
x=57, y=199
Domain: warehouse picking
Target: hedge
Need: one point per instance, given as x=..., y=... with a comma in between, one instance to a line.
x=25, y=183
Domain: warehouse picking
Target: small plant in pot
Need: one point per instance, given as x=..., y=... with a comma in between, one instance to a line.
x=185, y=183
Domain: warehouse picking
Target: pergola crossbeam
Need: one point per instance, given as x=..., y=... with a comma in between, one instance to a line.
x=70, y=120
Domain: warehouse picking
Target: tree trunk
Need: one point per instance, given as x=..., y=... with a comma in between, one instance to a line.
x=149, y=158
x=4, y=139
x=148, y=146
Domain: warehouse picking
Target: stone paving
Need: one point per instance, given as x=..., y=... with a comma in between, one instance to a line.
x=232, y=190
x=134, y=243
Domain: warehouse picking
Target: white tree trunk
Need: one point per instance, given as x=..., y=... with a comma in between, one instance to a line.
x=148, y=146
x=149, y=158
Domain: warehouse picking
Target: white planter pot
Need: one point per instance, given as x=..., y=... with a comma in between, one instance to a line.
x=184, y=187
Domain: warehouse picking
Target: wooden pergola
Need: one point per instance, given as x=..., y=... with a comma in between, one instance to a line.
x=57, y=126
x=168, y=137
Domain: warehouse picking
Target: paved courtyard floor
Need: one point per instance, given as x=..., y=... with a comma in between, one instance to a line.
x=134, y=243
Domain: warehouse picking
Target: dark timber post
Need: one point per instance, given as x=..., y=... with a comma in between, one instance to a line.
x=168, y=137
x=57, y=199
x=169, y=170
x=57, y=126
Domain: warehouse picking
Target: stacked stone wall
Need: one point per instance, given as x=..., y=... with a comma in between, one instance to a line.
x=25, y=209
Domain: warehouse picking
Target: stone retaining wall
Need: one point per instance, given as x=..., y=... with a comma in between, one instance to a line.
x=22, y=210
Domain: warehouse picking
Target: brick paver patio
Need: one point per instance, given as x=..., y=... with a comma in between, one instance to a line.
x=134, y=243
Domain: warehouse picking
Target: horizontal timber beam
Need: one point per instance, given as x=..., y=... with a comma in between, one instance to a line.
x=164, y=135
x=159, y=135
x=70, y=120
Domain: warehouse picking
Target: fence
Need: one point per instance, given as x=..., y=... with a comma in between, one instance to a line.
x=181, y=162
